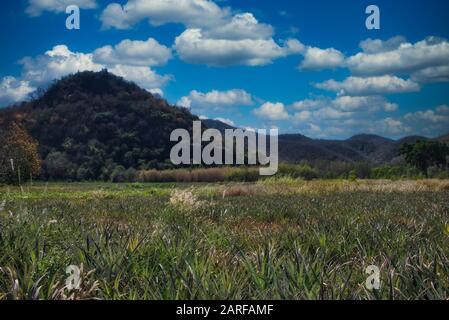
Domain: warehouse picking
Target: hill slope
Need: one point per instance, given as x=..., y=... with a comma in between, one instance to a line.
x=89, y=124
x=359, y=148
x=94, y=125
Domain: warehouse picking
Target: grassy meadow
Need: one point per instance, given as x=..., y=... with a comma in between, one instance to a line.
x=273, y=239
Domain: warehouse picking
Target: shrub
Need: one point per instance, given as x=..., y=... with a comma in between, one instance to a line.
x=304, y=171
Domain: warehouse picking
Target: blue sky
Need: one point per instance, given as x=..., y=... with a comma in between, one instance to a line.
x=309, y=67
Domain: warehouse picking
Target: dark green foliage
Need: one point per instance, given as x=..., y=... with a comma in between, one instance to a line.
x=304, y=171
x=90, y=123
x=424, y=154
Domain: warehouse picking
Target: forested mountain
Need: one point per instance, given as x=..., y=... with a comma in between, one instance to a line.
x=359, y=148
x=92, y=124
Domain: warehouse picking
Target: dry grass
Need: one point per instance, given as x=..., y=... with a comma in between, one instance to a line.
x=326, y=186
x=199, y=175
x=240, y=190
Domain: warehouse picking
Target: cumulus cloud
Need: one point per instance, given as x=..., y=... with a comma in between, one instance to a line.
x=143, y=76
x=309, y=104
x=432, y=74
x=229, y=122
x=357, y=86
x=13, y=90
x=390, y=107
x=303, y=115
x=366, y=103
x=241, y=26
x=272, y=111
x=56, y=63
x=324, y=108
x=193, y=47
x=443, y=109
x=371, y=46
x=407, y=58
x=137, y=53
x=346, y=116
x=332, y=113
x=316, y=59
x=214, y=35
x=37, y=7
x=217, y=100
x=390, y=126
x=60, y=61
x=440, y=115
x=192, y=13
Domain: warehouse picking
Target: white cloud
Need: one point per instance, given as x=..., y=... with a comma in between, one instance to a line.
x=60, y=61
x=314, y=129
x=340, y=108
x=316, y=59
x=56, y=63
x=241, y=26
x=185, y=102
x=156, y=92
x=143, y=76
x=303, y=115
x=330, y=113
x=376, y=45
x=357, y=86
x=310, y=104
x=432, y=74
x=390, y=107
x=37, y=7
x=216, y=99
x=390, y=126
x=137, y=53
x=443, y=109
x=193, y=47
x=272, y=111
x=214, y=35
x=360, y=103
x=13, y=90
x=406, y=59
x=229, y=122
x=436, y=116
x=346, y=104
x=192, y=13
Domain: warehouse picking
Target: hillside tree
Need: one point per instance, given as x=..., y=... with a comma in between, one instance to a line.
x=424, y=154
x=19, y=159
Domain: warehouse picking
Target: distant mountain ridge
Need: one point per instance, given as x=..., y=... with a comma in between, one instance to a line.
x=294, y=148
x=92, y=124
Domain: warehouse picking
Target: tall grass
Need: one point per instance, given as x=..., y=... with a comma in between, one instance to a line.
x=200, y=175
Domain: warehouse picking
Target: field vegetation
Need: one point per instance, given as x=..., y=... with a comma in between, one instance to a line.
x=280, y=238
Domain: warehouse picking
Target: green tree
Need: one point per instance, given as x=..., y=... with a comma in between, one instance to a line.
x=19, y=159
x=424, y=154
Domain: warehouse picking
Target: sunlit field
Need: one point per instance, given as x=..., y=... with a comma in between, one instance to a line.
x=275, y=239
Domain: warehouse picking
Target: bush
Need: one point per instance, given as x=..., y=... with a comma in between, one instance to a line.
x=304, y=171
x=120, y=174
